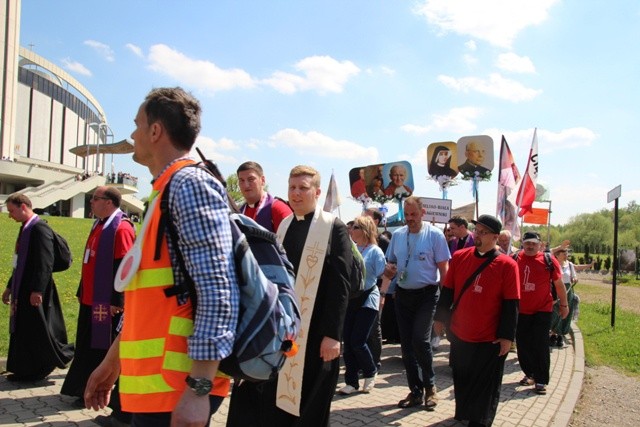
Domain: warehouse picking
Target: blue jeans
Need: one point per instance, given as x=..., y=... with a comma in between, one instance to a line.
x=357, y=355
x=159, y=419
x=414, y=312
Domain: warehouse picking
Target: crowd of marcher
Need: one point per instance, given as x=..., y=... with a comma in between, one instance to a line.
x=155, y=360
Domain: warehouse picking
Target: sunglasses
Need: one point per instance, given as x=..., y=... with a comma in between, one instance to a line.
x=356, y=227
x=99, y=197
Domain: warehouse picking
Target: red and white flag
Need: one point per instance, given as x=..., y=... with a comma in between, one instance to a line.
x=332, y=201
x=508, y=180
x=527, y=192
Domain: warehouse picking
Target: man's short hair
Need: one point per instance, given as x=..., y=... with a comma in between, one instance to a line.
x=250, y=166
x=459, y=221
x=398, y=166
x=18, y=199
x=178, y=111
x=302, y=170
x=505, y=233
x=114, y=195
x=413, y=200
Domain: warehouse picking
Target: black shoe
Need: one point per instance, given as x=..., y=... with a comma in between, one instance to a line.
x=78, y=403
x=553, y=340
x=560, y=341
x=24, y=378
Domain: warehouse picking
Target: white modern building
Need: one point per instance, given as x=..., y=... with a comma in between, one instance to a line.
x=54, y=135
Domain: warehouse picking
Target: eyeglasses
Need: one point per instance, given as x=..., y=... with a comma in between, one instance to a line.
x=482, y=233
x=356, y=227
x=94, y=198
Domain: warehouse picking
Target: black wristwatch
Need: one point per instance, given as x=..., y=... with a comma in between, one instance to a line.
x=200, y=386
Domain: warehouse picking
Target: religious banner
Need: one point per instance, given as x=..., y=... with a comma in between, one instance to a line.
x=436, y=210
x=442, y=164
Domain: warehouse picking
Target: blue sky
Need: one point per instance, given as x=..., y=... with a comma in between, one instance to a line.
x=339, y=84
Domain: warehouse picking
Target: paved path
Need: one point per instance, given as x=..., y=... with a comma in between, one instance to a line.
x=39, y=404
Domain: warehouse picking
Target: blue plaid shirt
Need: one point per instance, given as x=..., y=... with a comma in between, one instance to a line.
x=200, y=213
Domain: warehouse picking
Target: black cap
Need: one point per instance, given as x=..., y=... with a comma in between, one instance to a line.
x=491, y=222
x=531, y=236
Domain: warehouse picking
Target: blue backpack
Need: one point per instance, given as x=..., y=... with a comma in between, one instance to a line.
x=269, y=318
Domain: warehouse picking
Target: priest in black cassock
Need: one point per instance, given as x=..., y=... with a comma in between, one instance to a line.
x=302, y=394
x=38, y=337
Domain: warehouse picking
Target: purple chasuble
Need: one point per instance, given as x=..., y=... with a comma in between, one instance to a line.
x=103, y=284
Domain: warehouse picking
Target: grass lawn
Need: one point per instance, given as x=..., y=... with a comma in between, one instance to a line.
x=618, y=348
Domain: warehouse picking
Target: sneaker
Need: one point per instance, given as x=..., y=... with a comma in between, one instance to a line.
x=553, y=339
x=369, y=383
x=526, y=381
x=431, y=398
x=560, y=341
x=347, y=390
x=540, y=389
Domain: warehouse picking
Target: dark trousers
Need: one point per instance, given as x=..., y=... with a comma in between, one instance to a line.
x=357, y=326
x=532, y=337
x=414, y=313
x=477, y=378
x=375, y=340
x=388, y=322
x=161, y=419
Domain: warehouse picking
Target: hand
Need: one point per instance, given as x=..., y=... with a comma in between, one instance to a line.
x=390, y=270
x=6, y=296
x=192, y=410
x=35, y=299
x=505, y=346
x=564, y=310
x=116, y=310
x=98, y=390
x=438, y=327
x=329, y=349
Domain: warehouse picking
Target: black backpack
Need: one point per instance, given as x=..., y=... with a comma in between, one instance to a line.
x=62, y=258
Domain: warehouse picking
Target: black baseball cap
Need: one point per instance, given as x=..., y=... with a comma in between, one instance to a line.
x=489, y=221
x=531, y=236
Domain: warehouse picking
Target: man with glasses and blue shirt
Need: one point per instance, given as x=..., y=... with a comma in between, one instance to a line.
x=418, y=256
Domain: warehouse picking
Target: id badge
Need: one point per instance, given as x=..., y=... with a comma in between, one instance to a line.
x=402, y=277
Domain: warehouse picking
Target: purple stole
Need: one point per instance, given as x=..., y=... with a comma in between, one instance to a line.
x=263, y=213
x=103, y=283
x=16, y=278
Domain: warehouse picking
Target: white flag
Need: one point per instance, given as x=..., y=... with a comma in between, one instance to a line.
x=332, y=201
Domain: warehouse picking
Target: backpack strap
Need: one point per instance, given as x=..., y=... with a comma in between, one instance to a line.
x=493, y=255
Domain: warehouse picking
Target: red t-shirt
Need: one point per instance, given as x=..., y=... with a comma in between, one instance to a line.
x=535, y=287
x=477, y=316
x=123, y=241
x=279, y=211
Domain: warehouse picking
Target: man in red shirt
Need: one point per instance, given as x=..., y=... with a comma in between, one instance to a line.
x=100, y=305
x=536, y=304
x=265, y=209
x=479, y=302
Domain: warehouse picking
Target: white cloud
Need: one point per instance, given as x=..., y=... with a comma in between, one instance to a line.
x=76, y=67
x=102, y=49
x=215, y=150
x=496, y=86
x=515, y=63
x=548, y=141
x=471, y=45
x=203, y=75
x=456, y=121
x=388, y=71
x=137, y=51
x=495, y=21
x=316, y=144
x=469, y=59
x=322, y=74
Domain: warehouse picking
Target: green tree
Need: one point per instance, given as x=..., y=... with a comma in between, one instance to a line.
x=233, y=189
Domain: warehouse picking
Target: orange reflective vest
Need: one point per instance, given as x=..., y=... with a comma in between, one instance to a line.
x=153, y=343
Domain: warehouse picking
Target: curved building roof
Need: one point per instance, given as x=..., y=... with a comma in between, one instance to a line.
x=62, y=76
